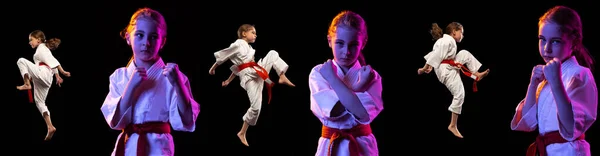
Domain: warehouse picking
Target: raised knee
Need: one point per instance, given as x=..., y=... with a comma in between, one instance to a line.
x=273, y=52
x=21, y=60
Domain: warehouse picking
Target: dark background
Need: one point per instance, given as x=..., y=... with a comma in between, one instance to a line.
x=503, y=36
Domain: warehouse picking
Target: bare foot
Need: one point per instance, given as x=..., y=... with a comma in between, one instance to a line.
x=283, y=80
x=483, y=74
x=243, y=138
x=24, y=87
x=454, y=131
x=51, y=131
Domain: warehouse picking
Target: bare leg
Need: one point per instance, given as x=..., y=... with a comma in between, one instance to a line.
x=26, y=83
x=51, y=128
x=284, y=80
x=242, y=133
x=481, y=75
x=452, y=127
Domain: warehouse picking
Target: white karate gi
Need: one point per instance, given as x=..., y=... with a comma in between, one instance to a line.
x=156, y=101
x=445, y=48
x=322, y=100
x=240, y=52
x=41, y=75
x=581, y=88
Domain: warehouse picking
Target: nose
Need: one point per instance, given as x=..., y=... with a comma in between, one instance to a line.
x=345, y=51
x=146, y=41
x=547, y=48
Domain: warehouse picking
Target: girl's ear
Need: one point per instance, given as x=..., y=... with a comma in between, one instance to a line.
x=127, y=38
x=164, y=41
x=329, y=41
x=364, y=43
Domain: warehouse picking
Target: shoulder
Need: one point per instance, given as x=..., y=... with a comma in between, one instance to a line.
x=581, y=73
x=238, y=42
x=443, y=42
x=315, y=69
x=314, y=72
x=119, y=73
x=42, y=47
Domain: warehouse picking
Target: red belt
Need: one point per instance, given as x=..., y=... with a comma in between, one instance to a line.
x=541, y=141
x=29, y=93
x=262, y=73
x=141, y=130
x=334, y=134
x=464, y=70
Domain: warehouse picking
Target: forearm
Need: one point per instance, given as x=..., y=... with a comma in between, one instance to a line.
x=564, y=107
x=125, y=103
x=60, y=69
x=348, y=98
x=231, y=77
x=215, y=65
x=184, y=102
x=426, y=66
x=530, y=98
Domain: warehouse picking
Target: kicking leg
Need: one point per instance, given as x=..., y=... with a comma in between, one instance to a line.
x=272, y=60
x=466, y=58
x=28, y=70
x=26, y=83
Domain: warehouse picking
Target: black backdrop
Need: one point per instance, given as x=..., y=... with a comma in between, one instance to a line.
x=501, y=35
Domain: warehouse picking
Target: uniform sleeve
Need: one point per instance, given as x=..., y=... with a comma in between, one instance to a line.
x=174, y=114
x=440, y=50
x=322, y=96
x=583, y=94
x=224, y=54
x=234, y=69
x=524, y=121
x=118, y=81
x=371, y=99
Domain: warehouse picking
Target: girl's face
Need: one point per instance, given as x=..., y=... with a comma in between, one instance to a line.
x=553, y=43
x=458, y=35
x=346, y=44
x=146, y=40
x=250, y=35
x=34, y=42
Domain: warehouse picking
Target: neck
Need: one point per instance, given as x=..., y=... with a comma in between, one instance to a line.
x=345, y=69
x=247, y=41
x=145, y=64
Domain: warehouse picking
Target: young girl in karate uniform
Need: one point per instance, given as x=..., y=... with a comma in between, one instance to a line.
x=345, y=93
x=253, y=75
x=40, y=73
x=562, y=99
x=447, y=64
x=148, y=97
